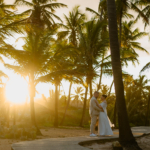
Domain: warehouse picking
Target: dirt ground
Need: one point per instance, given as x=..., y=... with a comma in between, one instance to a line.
x=5, y=144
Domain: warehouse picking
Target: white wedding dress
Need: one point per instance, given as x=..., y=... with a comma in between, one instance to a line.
x=104, y=126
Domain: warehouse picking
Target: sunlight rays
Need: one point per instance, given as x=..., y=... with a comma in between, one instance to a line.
x=16, y=90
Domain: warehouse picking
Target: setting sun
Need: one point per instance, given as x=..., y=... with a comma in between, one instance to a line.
x=16, y=90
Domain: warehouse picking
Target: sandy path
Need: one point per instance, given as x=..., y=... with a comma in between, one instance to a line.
x=144, y=143
x=5, y=144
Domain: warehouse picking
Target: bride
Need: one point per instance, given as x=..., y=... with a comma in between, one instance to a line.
x=104, y=126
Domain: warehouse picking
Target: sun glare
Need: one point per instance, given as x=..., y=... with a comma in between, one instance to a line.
x=16, y=90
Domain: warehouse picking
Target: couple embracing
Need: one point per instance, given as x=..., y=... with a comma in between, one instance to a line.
x=99, y=111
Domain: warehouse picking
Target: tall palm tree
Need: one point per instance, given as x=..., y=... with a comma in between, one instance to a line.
x=122, y=12
x=126, y=137
x=41, y=12
x=32, y=61
x=102, y=16
x=72, y=21
x=91, y=47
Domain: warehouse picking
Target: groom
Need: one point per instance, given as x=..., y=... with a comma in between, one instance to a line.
x=94, y=113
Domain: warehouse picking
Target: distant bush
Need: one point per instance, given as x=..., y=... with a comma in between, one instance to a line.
x=14, y=132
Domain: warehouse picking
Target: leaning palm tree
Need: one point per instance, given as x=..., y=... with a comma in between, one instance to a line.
x=126, y=137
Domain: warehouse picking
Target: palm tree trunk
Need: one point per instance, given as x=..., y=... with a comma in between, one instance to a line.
x=8, y=113
x=110, y=88
x=56, y=106
x=147, y=112
x=67, y=105
x=115, y=116
x=120, y=28
x=32, y=109
x=91, y=91
x=84, y=106
x=101, y=15
x=14, y=119
x=126, y=138
x=101, y=74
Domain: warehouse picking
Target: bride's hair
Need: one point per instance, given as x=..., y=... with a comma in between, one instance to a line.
x=105, y=96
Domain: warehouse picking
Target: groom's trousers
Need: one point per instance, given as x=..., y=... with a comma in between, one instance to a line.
x=93, y=123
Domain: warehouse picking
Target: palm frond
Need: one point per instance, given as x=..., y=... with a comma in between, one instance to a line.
x=92, y=11
x=146, y=67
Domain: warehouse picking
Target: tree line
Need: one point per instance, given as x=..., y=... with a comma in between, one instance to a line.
x=77, y=49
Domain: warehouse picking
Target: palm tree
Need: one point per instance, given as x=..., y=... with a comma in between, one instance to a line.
x=102, y=10
x=147, y=110
x=62, y=65
x=69, y=96
x=32, y=61
x=73, y=20
x=10, y=24
x=136, y=95
x=78, y=94
x=142, y=8
x=122, y=12
x=125, y=135
x=41, y=12
x=84, y=103
x=105, y=68
x=102, y=16
x=129, y=42
x=91, y=47
x=146, y=67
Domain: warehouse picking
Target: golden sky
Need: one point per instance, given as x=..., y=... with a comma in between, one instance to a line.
x=143, y=59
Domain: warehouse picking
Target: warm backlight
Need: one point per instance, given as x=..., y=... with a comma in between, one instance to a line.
x=17, y=90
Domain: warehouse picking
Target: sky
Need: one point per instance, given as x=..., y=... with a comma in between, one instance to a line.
x=133, y=70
